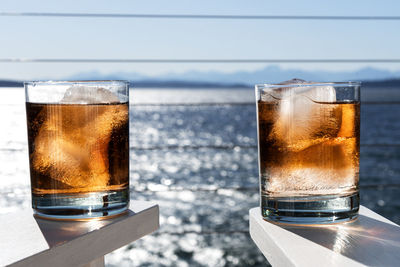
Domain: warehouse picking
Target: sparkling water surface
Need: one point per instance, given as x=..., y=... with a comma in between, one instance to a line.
x=198, y=160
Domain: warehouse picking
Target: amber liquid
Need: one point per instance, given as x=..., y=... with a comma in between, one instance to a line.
x=309, y=156
x=78, y=148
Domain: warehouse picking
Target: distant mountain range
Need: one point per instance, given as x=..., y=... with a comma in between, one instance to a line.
x=270, y=74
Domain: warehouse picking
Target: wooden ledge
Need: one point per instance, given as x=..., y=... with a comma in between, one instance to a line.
x=29, y=241
x=370, y=240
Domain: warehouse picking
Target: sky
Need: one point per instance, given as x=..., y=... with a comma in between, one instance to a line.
x=123, y=38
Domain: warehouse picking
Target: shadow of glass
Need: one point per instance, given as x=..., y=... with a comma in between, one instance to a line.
x=366, y=240
x=57, y=232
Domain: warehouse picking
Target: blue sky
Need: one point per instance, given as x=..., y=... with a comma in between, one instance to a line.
x=41, y=37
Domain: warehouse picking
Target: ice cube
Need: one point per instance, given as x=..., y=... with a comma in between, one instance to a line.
x=307, y=115
x=88, y=95
x=325, y=168
x=310, y=180
x=278, y=93
x=294, y=81
x=72, y=143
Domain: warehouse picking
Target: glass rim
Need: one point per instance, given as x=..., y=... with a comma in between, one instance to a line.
x=52, y=92
x=308, y=84
x=42, y=82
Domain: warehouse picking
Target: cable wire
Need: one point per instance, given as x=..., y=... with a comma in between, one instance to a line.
x=193, y=60
x=194, y=16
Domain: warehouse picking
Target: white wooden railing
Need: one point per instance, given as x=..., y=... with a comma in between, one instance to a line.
x=30, y=241
x=372, y=240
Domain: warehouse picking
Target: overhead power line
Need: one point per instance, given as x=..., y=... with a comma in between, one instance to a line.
x=193, y=16
x=193, y=60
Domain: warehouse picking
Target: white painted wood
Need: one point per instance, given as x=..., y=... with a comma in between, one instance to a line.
x=372, y=240
x=29, y=241
x=96, y=263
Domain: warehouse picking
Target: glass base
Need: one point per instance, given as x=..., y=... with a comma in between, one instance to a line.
x=83, y=206
x=310, y=210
